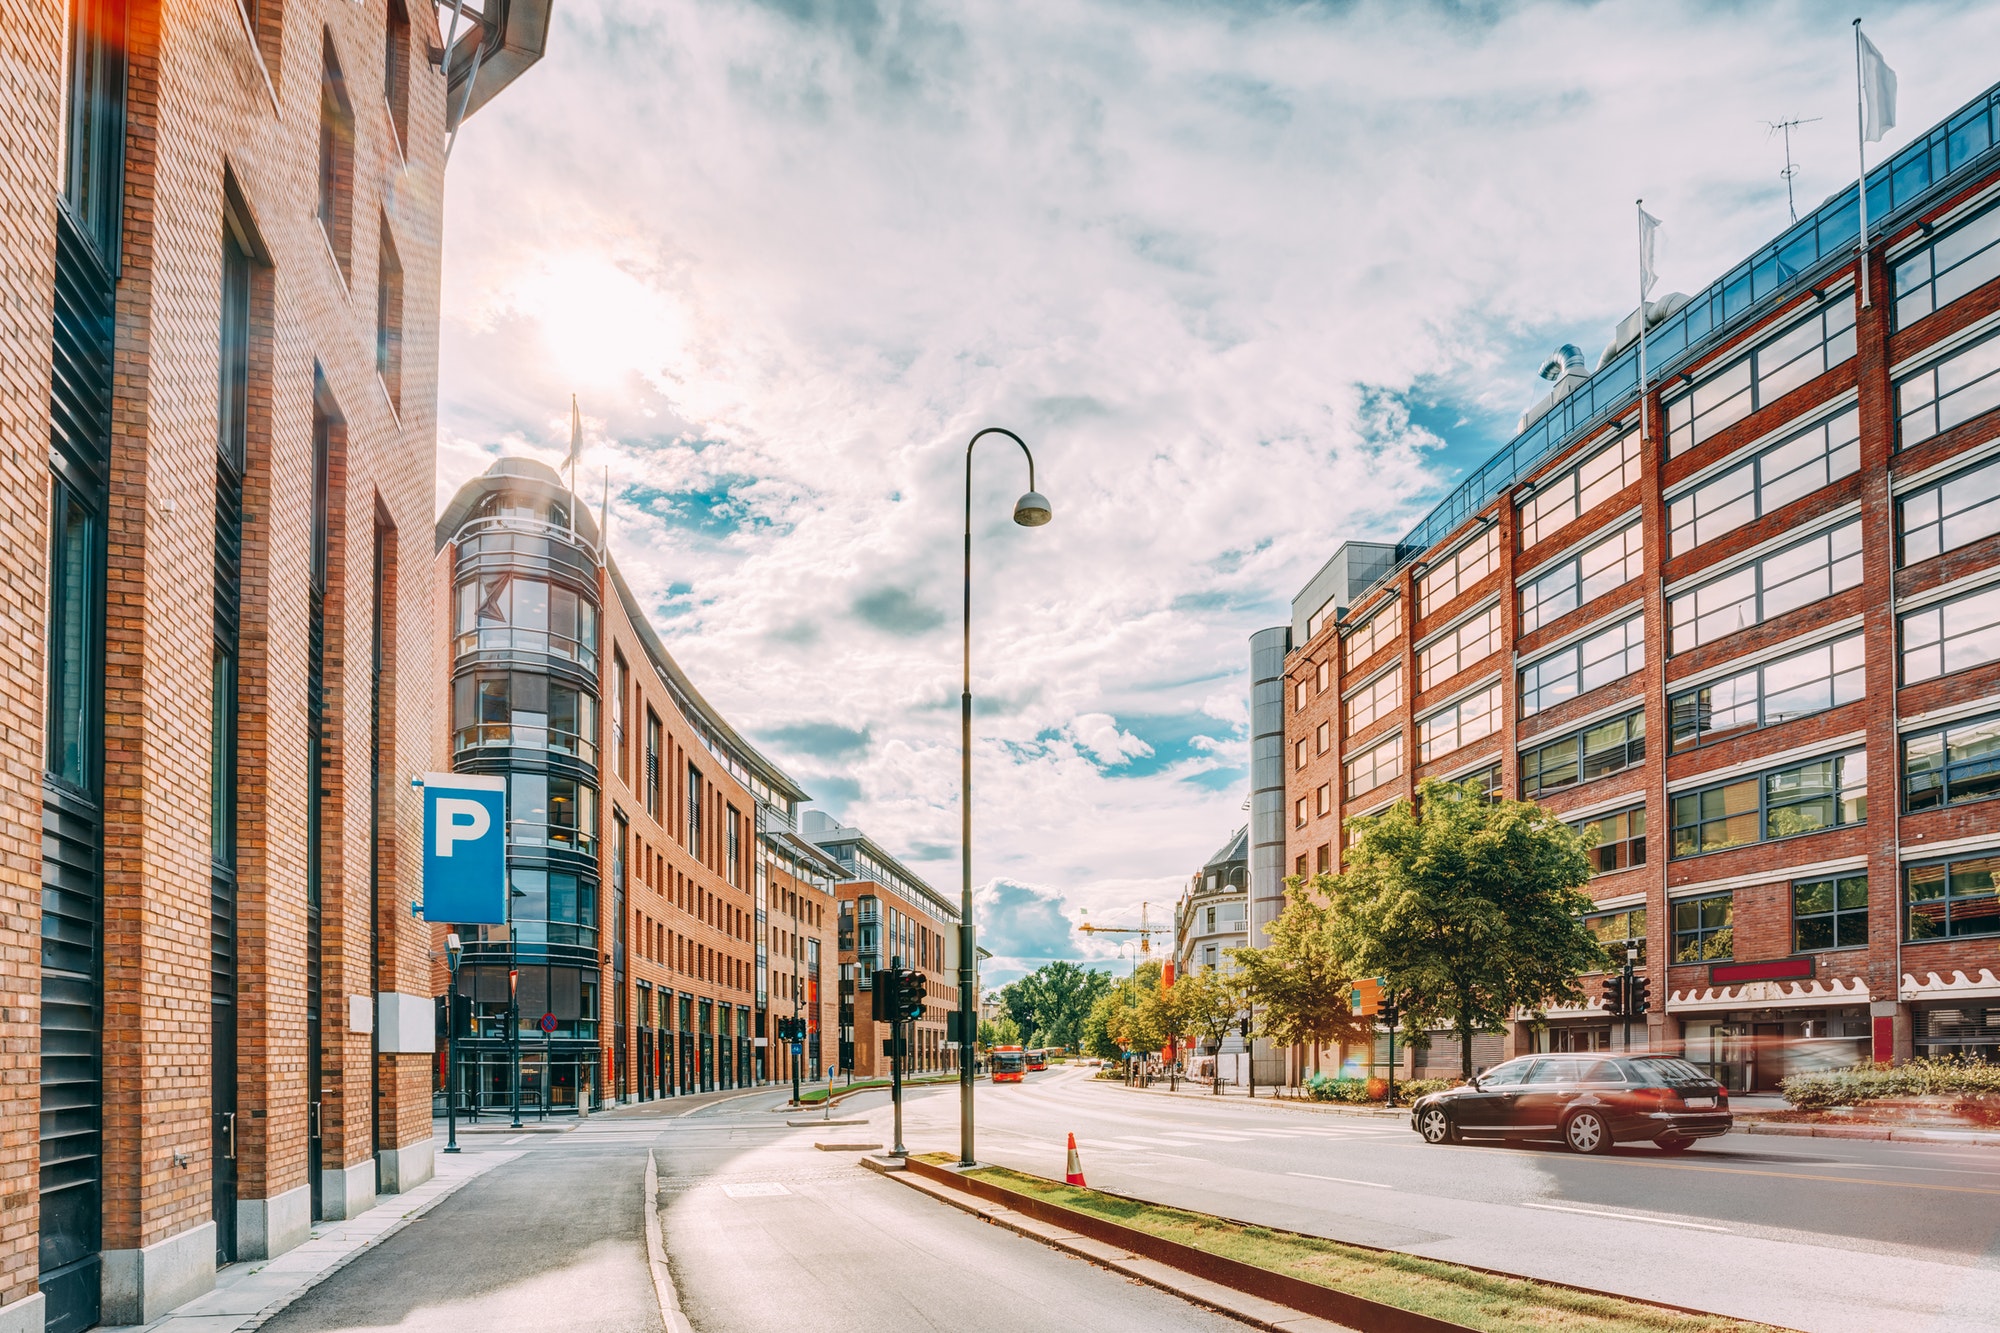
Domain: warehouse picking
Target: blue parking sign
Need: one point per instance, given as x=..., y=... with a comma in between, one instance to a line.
x=465, y=849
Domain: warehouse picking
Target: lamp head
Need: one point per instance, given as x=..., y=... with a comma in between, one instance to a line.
x=453, y=947
x=1032, y=510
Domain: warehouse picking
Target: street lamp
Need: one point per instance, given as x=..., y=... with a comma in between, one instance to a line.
x=1030, y=511
x=454, y=948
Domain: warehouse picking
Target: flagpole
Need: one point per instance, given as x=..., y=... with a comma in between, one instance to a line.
x=1861, y=158
x=1640, y=205
x=604, y=519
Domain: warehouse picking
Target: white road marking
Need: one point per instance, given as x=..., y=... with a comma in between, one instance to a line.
x=1342, y=1180
x=755, y=1189
x=1622, y=1217
x=519, y=1138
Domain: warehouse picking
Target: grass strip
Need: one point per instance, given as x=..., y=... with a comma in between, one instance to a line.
x=1465, y=1296
x=814, y=1096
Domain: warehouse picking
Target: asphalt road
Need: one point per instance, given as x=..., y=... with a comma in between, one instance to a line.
x=1818, y=1234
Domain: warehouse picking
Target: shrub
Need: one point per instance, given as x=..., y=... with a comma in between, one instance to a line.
x=1947, y=1077
x=1411, y=1089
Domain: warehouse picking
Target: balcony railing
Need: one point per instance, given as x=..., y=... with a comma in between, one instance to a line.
x=513, y=735
x=506, y=638
x=567, y=837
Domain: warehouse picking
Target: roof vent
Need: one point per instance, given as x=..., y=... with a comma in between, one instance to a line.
x=1564, y=369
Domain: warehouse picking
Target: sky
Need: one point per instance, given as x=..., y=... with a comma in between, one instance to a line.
x=1250, y=280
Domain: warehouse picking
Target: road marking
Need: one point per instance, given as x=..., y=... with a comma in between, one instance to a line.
x=1622, y=1217
x=519, y=1138
x=1342, y=1180
x=755, y=1189
x=1801, y=1175
x=1211, y=1136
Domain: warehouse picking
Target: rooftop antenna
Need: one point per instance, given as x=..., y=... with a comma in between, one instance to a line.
x=1785, y=128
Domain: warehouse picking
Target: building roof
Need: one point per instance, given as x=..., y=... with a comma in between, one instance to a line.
x=829, y=832
x=1236, y=849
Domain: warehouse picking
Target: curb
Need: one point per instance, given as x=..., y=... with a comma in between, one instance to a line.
x=1294, y=1104
x=656, y=1255
x=1961, y=1137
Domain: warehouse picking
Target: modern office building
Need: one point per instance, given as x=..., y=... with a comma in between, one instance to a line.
x=1707, y=623
x=222, y=236
x=665, y=908
x=888, y=917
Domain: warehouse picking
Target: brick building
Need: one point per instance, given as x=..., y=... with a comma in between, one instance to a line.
x=221, y=232
x=661, y=894
x=1716, y=624
x=888, y=913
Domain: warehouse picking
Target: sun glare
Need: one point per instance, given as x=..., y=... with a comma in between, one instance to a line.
x=598, y=321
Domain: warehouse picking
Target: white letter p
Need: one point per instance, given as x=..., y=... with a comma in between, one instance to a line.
x=459, y=820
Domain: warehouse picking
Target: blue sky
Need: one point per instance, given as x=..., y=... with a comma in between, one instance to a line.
x=1251, y=279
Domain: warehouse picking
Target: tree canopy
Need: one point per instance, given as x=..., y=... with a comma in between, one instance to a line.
x=1207, y=1002
x=1126, y=1018
x=1467, y=909
x=1001, y=1031
x=1300, y=983
x=1051, y=1003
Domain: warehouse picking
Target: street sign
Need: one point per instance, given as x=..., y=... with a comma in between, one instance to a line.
x=465, y=849
x=548, y=1023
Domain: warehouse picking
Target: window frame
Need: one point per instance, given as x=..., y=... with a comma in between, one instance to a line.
x=1472, y=560
x=1481, y=625
x=1626, y=845
x=1489, y=703
x=1988, y=251
x=1986, y=353
x=1533, y=617
x=1634, y=923
x=1939, y=609
x=1569, y=487
x=1980, y=468
x=1756, y=393
x=1577, y=737
x=1381, y=747
x=1850, y=444
x=1372, y=693
x=1841, y=795
x=1701, y=932
x=1942, y=734
x=1761, y=589
x=1530, y=701
x=1368, y=632
x=1989, y=861
x=1834, y=915
x=1853, y=673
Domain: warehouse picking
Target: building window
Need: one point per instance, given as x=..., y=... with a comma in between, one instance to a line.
x=1317, y=620
x=1949, y=392
x=1323, y=737
x=733, y=868
x=1299, y=753
x=501, y=611
x=1584, y=577
x=1468, y=720
x=1606, y=656
x=620, y=682
x=1803, y=352
x=1964, y=258
x=1568, y=495
x=1298, y=696
x=1800, y=574
x=1952, y=764
x=1952, y=636
x=1812, y=681
x=1950, y=514
x=1953, y=899
x=653, y=774
x=1460, y=648
x=1374, y=766
x=1619, y=931
x=1617, y=842
x=389, y=319
x=336, y=162
x=72, y=634
x=523, y=709
x=396, y=71
x=1830, y=913
x=1324, y=799
x=1323, y=858
x=1459, y=571
x=1489, y=782
x=1702, y=930
x=1804, y=798
x=1375, y=700
x=94, y=171
x=544, y=810
x=1371, y=636
x=1765, y=482
x=1586, y=756
x=1299, y=862
x=1323, y=676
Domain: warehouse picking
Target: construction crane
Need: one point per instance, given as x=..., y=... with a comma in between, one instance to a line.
x=1144, y=930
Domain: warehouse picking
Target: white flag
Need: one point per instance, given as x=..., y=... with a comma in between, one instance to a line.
x=575, y=431
x=1649, y=227
x=1878, y=92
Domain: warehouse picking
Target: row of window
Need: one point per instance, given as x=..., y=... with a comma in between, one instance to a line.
x=1803, y=798
x=1471, y=718
x=1764, y=374
x=1943, y=900
x=1582, y=578
x=1608, y=655
x=1459, y=648
x=1804, y=572
x=1812, y=680
x=1460, y=570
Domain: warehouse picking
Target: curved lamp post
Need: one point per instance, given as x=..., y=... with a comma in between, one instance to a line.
x=1030, y=511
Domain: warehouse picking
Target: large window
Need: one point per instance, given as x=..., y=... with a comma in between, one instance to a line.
x=1805, y=798
x=1374, y=766
x=1583, y=577
x=1802, y=573
x=1572, y=493
x=1618, y=931
x=1617, y=841
x=548, y=811
x=336, y=162
x=1952, y=764
x=553, y=907
x=1703, y=930
x=1453, y=574
x=1372, y=635
x=73, y=634
x=1773, y=368
x=1608, y=655
x=1953, y=512
x=1765, y=482
x=1951, y=899
x=620, y=683
x=1951, y=636
x=94, y=172
x=502, y=611
x=1375, y=700
x=1965, y=257
x=1458, y=648
x=1813, y=680
x=524, y=709
x=1585, y=756
x=389, y=318
x=1949, y=392
x=1448, y=729
x=1830, y=913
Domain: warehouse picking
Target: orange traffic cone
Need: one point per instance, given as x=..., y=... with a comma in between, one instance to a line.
x=1073, y=1174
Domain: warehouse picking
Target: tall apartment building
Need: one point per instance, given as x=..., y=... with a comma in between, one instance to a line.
x=1213, y=915
x=888, y=917
x=664, y=905
x=221, y=232
x=1720, y=625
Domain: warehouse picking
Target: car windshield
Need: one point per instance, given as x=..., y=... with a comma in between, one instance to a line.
x=1514, y=1071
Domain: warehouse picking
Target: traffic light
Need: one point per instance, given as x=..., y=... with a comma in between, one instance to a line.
x=911, y=987
x=1639, y=1001
x=888, y=995
x=1387, y=1011
x=1614, y=994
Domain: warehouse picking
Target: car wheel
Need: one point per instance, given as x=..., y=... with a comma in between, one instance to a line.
x=1672, y=1143
x=1435, y=1125
x=1587, y=1132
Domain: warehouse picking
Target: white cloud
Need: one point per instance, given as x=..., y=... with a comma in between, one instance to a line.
x=792, y=255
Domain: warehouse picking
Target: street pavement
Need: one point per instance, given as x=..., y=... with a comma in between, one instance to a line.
x=1818, y=1234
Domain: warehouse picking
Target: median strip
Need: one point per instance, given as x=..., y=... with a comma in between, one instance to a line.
x=1384, y=1291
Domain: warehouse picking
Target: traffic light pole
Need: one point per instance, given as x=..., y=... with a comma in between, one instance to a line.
x=1390, y=1014
x=896, y=1083
x=1629, y=995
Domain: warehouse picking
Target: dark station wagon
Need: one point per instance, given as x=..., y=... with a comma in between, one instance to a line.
x=1589, y=1102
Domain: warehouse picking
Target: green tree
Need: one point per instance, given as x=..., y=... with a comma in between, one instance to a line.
x=1299, y=981
x=1095, y=1038
x=1127, y=1014
x=1209, y=1002
x=1051, y=1002
x=1001, y=1031
x=1468, y=909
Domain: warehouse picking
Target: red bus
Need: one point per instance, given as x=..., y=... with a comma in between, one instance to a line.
x=1037, y=1060
x=1009, y=1064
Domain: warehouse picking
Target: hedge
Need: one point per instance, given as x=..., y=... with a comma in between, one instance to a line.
x=1326, y=1088
x=1914, y=1078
